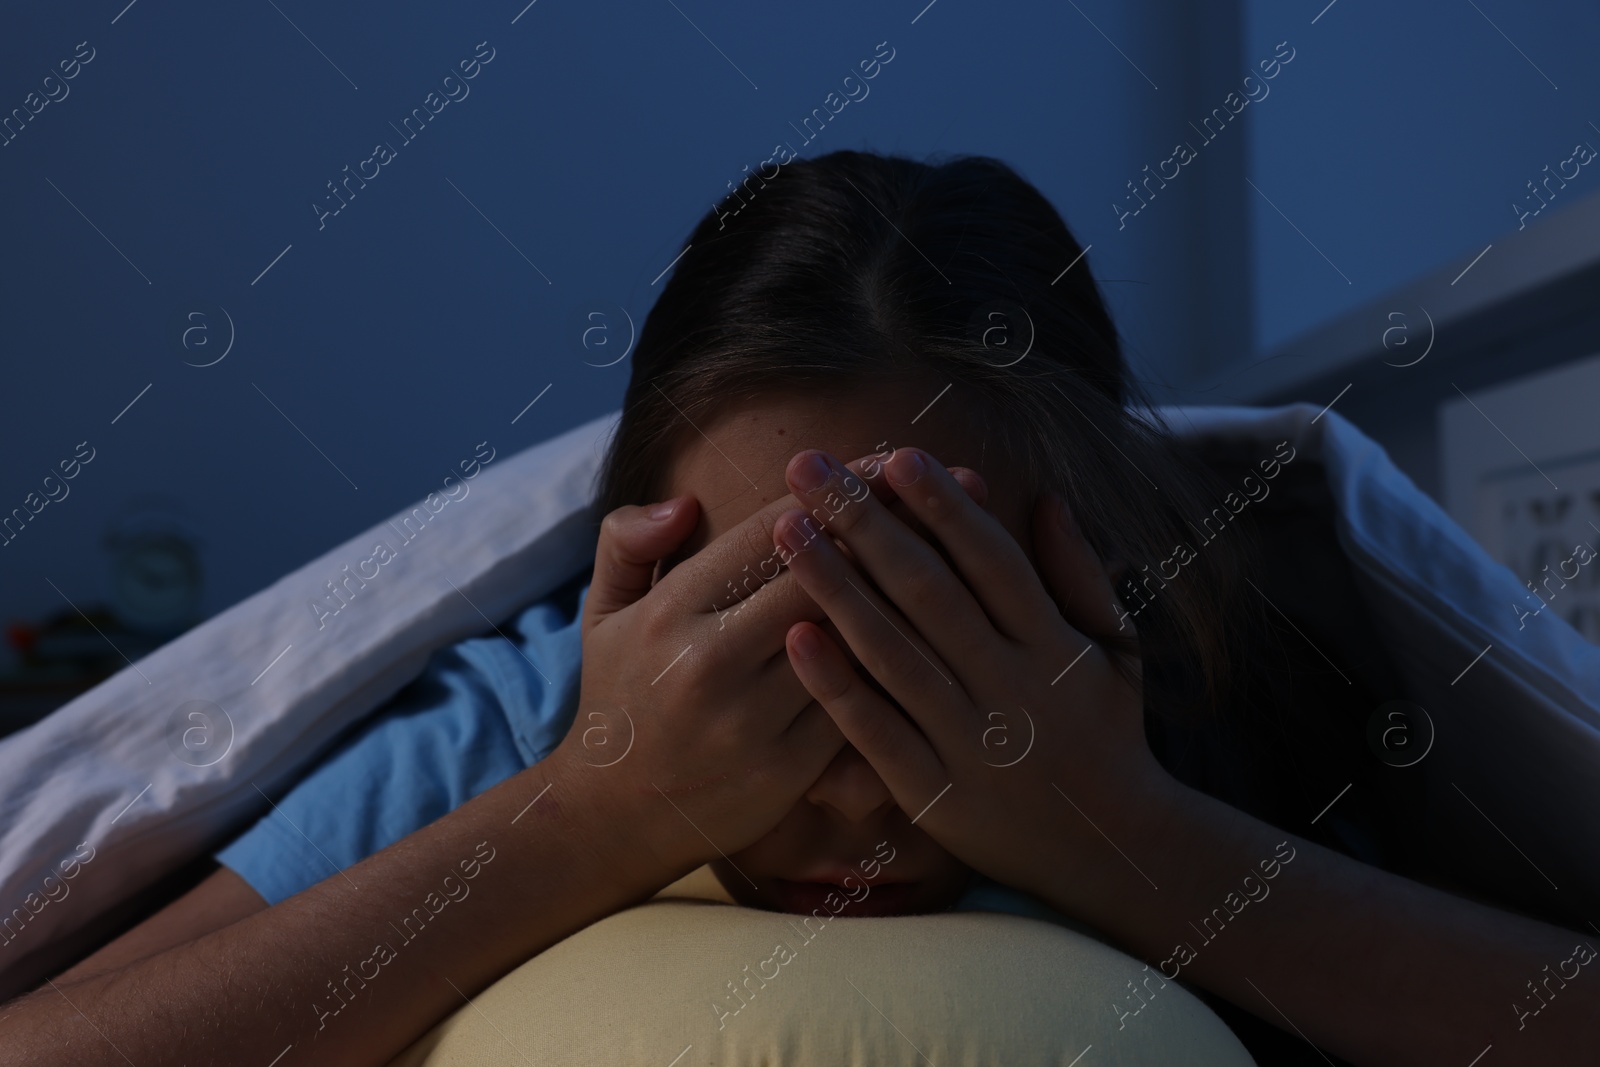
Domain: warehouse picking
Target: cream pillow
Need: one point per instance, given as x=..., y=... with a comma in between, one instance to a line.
x=688, y=979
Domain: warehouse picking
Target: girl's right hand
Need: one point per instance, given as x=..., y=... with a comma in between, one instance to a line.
x=691, y=724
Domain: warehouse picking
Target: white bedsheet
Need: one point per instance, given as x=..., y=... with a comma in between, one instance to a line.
x=107, y=775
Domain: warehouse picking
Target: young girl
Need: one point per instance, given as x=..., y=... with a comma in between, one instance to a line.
x=895, y=598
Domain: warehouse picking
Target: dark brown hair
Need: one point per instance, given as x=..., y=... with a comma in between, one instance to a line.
x=855, y=266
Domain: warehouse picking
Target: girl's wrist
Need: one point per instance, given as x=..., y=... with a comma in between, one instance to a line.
x=619, y=828
x=1121, y=854
x=1191, y=851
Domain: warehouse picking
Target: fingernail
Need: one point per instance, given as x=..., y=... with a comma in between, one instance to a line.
x=663, y=510
x=811, y=472
x=905, y=467
x=1064, y=515
x=806, y=645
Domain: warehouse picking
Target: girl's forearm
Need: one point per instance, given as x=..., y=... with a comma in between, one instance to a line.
x=357, y=967
x=1371, y=966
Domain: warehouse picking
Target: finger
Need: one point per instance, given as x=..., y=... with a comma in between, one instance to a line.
x=988, y=558
x=749, y=544
x=774, y=691
x=870, y=468
x=890, y=742
x=739, y=559
x=1073, y=573
x=892, y=651
x=908, y=570
x=726, y=575
x=632, y=539
x=971, y=481
x=811, y=741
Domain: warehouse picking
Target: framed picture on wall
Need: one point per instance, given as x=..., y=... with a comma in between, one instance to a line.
x=1520, y=465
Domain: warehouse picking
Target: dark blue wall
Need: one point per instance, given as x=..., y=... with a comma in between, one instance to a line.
x=178, y=171
x=1402, y=135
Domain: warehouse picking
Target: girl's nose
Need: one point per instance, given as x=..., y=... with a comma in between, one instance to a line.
x=850, y=787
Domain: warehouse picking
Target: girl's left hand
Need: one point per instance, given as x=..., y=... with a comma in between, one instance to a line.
x=1024, y=753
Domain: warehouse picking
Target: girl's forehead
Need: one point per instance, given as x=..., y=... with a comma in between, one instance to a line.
x=734, y=464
